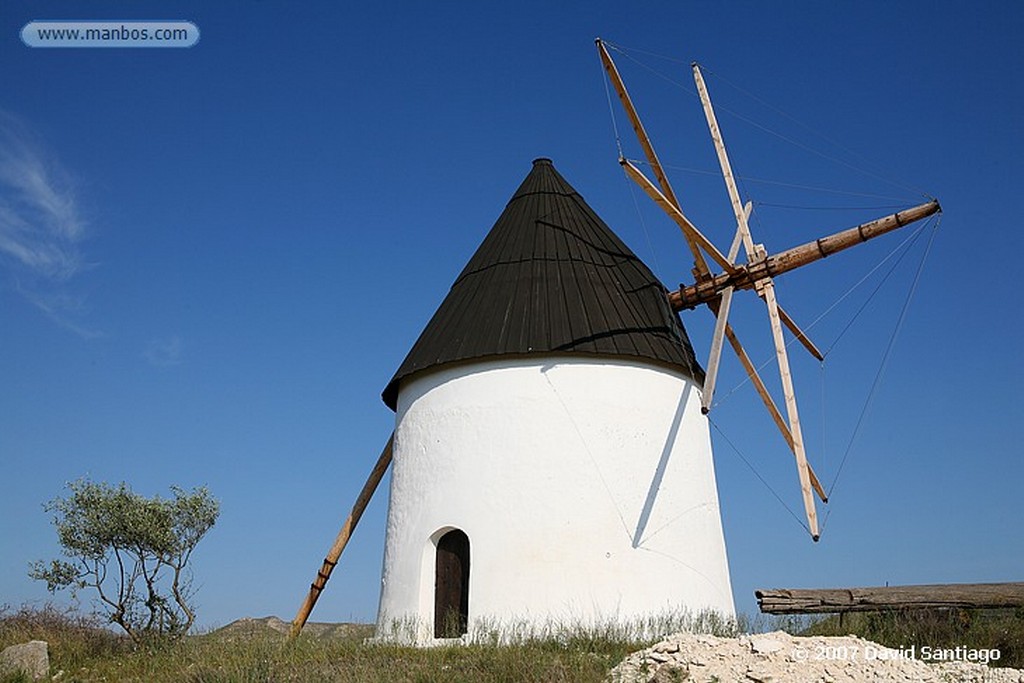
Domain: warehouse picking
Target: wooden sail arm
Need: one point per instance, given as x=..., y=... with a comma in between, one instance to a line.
x=700, y=264
x=342, y=539
x=634, y=120
x=746, y=275
x=723, y=162
x=694, y=237
x=802, y=466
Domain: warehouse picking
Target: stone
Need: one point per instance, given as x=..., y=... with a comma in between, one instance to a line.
x=31, y=658
x=765, y=645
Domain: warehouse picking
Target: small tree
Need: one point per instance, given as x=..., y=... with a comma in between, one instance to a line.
x=134, y=551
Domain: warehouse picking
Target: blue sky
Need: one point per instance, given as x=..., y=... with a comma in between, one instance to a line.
x=213, y=259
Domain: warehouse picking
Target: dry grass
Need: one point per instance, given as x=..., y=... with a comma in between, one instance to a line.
x=85, y=651
x=1001, y=630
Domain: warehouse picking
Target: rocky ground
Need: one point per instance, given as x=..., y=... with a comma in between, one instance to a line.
x=781, y=658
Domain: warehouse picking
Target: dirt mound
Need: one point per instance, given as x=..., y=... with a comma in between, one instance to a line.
x=781, y=658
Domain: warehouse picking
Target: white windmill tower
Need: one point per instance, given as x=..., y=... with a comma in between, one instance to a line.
x=552, y=462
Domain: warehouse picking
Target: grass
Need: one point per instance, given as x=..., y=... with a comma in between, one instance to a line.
x=1001, y=630
x=85, y=651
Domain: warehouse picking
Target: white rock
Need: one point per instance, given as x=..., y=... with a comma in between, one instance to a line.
x=765, y=646
x=31, y=658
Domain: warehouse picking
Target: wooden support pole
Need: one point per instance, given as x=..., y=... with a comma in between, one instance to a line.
x=342, y=540
x=746, y=275
x=832, y=600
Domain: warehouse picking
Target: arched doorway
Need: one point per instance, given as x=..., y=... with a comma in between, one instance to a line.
x=451, y=585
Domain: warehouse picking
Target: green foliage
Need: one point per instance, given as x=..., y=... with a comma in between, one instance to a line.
x=133, y=551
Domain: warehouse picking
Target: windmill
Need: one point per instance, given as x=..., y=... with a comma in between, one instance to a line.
x=551, y=458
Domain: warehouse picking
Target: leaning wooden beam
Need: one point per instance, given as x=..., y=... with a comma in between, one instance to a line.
x=744, y=276
x=837, y=600
x=342, y=540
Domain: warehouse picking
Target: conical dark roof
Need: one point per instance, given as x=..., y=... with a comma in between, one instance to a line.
x=551, y=278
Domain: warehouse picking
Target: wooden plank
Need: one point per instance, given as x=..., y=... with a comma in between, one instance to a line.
x=768, y=288
x=723, y=162
x=883, y=598
x=711, y=374
x=342, y=539
x=721, y=318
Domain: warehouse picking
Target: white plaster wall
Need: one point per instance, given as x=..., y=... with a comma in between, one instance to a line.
x=587, y=490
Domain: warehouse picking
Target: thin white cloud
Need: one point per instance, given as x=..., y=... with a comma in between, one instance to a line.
x=41, y=225
x=164, y=353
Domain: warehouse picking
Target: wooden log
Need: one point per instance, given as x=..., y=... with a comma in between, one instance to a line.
x=887, y=598
x=745, y=276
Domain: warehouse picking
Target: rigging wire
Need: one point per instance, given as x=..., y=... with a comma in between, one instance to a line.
x=905, y=243
x=798, y=207
x=758, y=475
x=885, y=359
x=778, y=183
x=654, y=71
x=643, y=223
x=611, y=112
x=913, y=238
x=813, y=130
x=863, y=169
x=622, y=50
x=590, y=455
x=632, y=189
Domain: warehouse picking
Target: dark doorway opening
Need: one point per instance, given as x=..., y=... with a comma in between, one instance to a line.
x=451, y=585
